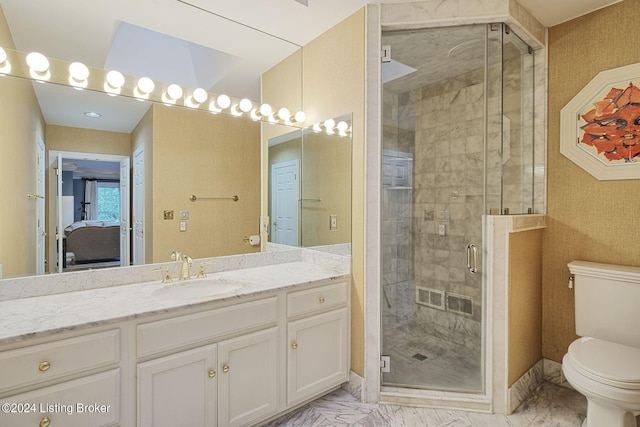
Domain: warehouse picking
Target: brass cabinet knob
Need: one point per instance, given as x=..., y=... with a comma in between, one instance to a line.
x=44, y=366
x=294, y=345
x=322, y=300
x=225, y=368
x=45, y=422
x=212, y=373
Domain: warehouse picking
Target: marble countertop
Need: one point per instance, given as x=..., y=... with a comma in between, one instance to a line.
x=49, y=314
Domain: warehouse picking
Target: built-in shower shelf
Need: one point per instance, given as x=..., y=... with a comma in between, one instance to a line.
x=398, y=188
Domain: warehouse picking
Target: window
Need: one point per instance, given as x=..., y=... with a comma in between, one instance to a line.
x=108, y=198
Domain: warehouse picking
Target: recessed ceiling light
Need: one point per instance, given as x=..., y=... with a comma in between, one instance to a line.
x=92, y=114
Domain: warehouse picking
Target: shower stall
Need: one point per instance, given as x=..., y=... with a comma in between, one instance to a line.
x=457, y=145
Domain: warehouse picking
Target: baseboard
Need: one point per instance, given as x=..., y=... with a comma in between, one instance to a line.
x=354, y=386
x=525, y=385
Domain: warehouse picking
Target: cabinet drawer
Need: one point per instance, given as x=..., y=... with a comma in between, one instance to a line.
x=90, y=401
x=317, y=299
x=42, y=362
x=180, y=331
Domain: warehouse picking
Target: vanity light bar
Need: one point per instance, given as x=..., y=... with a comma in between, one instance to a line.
x=114, y=83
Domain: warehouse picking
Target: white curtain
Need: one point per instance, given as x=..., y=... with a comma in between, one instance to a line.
x=91, y=197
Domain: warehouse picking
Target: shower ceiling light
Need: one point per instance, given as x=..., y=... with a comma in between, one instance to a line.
x=92, y=114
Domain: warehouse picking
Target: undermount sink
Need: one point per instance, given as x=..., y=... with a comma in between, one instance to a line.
x=196, y=288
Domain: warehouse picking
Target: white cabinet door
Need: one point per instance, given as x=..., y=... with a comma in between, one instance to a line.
x=178, y=390
x=318, y=354
x=248, y=378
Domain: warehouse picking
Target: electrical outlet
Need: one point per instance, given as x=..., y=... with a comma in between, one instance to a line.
x=264, y=224
x=183, y=225
x=442, y=229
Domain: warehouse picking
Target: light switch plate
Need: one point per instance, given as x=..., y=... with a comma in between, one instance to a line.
x=184, y=214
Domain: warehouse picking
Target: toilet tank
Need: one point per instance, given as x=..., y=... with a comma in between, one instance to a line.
x=607, y=300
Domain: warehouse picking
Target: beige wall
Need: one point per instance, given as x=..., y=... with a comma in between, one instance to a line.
x=63, y=138
x=207, y=155
x=333, y=84
x=588, y=219
x=22, y=125
x=525, y=303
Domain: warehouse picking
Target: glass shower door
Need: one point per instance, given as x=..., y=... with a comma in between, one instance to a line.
x=434, y=102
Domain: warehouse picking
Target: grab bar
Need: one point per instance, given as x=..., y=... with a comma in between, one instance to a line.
x=472, y=258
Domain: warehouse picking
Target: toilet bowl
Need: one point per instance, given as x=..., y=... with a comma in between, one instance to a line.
x=608, y=375
x=604, y=364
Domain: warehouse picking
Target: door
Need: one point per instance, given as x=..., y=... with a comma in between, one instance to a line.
x=285, y=202
x=178, y=390
x=138, y=206
x=125, y=221
x=40, y=207
x=318, y=356
x=248, y=378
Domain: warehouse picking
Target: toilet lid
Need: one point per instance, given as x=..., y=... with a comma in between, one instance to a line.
x=607, y=362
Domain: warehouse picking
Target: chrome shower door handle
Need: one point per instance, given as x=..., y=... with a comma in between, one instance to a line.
x=472, y=258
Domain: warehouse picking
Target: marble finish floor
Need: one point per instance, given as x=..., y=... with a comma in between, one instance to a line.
x=550, y=405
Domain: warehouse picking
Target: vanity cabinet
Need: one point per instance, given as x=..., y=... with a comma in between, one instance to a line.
x=180, y=389
x=318, y=356
x=248, y=378
x=230, y=382
x=77, y=380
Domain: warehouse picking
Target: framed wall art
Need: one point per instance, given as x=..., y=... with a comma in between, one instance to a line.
x=600, y=126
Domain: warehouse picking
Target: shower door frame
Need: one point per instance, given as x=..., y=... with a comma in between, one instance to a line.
x=371, y=383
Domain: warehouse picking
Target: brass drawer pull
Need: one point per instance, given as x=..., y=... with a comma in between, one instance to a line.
x=43, y=367
x=322, y=300
x=294, y=345
x=225, y=368
x=212, y=373
x=45, y=422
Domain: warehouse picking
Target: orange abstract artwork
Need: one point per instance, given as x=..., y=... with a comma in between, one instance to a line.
x=613, y=126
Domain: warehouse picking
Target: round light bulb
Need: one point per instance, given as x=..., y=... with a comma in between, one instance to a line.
x=174, y=92
x=37, y=62
x=3, y=56
x=200, y=95
x=146, y=85
x=284, y=114
x=343, y=126
x=265, y=110
x=224, y=101
x=300, y=117
x=329, y=124
x=245, y=105
x=78, y=71
x=115, y=79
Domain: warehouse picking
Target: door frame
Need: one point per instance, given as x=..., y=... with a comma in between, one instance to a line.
x=53, y=202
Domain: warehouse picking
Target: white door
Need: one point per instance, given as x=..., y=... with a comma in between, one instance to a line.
x=125, y=221
x=179, y=390
x=318, y=354
x=248, y=378
x=59, y=229
x=40, y=207
x=138, y=206
x=285, y=201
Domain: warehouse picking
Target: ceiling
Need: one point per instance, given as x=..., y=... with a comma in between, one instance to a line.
x=221, y=45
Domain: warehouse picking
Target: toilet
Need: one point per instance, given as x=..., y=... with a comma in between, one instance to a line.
x=604, y=363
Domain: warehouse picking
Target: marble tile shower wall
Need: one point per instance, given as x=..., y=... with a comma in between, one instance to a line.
x=448, y=181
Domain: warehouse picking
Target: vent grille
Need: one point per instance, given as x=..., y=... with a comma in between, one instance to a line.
x=460, y=304
x=430, y=297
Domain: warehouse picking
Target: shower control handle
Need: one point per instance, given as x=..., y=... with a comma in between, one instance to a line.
x=472, y=258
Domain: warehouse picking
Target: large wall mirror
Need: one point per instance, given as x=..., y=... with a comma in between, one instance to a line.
x=64, y=161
